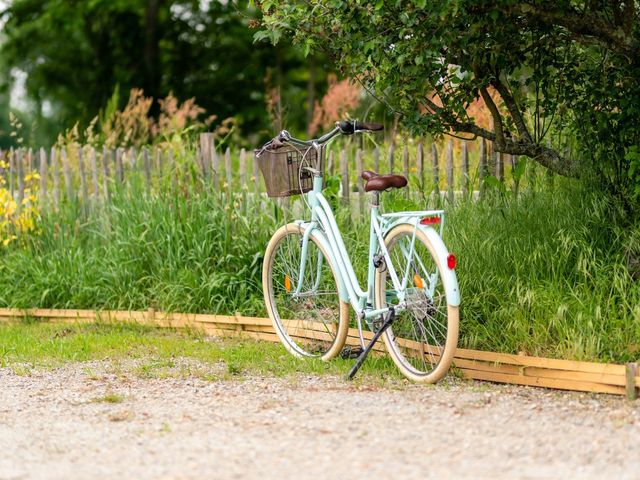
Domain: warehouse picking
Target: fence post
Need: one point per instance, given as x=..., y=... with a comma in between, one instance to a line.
x=405, y=166
x=256, y=175
x=516, y=180
x=83, y=178
x=173, y=170
x=420, y=166
x=119, y=166
x=392, y=155
x=106, y=158
x=493, y=160
x=482, y=165
x=20, y=170
x=157, y=155
x=227, y=168
x=207, y=149
x=55, y=170
x=243, y=168
x=146, y=163
x=215, y=165
x=243, y=177
x=43, y=177
x=67, y=173
x=344, y=172
x=12, y=169
x=204, y=154
x=435, y=173
x=93, y=159
x=450, y=193
x=466, y=180
x=133, y=159
x=331, y=163
x=360, y=182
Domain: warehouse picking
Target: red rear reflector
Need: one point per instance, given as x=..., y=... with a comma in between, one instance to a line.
x=451, y=261
x=430, y=221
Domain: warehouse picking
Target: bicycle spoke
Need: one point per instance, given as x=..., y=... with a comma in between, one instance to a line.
x=418, y=336
x=309, y=319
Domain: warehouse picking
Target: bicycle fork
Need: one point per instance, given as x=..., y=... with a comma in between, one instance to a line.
x=390, y=317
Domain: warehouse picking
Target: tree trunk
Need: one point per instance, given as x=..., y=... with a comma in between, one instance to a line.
x=151, y=49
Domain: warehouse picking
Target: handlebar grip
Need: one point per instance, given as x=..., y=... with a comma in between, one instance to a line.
x=349, y=127
x=372, y=127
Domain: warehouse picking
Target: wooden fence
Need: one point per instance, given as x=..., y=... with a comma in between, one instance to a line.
x=472, y=364
x=86, y=174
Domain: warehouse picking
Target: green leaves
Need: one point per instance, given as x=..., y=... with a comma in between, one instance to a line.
x=521, y=168
x=633, y=157
x=561, y=83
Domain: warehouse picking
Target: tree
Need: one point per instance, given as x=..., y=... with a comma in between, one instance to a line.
x=76, y=52
x=571, y=68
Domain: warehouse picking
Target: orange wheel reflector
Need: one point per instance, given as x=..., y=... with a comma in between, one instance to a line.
x=287, y=283
x=417, y=281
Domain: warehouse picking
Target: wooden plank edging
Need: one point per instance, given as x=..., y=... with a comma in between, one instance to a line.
x=473, y=364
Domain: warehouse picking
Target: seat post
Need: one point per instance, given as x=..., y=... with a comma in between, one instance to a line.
x=375, y=199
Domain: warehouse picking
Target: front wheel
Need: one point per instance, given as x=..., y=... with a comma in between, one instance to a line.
x=306, y=310
x=423, y=338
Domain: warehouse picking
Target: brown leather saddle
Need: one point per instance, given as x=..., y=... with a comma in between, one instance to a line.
x=376, y=182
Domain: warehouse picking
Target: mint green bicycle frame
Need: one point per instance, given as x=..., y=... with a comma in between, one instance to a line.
x=325, y=231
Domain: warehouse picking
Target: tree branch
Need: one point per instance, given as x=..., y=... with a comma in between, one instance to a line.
x=545, y=156
x=584, y=24
x=514, y=111
x=495, y=114
x=472, y=128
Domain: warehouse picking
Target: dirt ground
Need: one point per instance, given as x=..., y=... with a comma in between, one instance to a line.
x=83, y=422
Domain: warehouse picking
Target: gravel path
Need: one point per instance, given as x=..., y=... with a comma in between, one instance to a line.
x=60, y=425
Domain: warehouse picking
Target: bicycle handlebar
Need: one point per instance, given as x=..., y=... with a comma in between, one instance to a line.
x=347, y=127
x=351, y=127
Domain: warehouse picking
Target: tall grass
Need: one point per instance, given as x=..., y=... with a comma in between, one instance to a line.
x=542, y=273
x=185, y=250
x=546, y=274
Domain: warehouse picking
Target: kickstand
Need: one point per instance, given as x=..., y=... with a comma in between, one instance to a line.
x=386, y=324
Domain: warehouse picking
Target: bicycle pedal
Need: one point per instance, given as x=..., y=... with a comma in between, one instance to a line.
x=351, y=352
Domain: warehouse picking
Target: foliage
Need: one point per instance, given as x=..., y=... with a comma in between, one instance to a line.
x=556, y=287
x=18, y=217
x=340, y=102
x=134, y=126
x=567, y=68
x=75, y=53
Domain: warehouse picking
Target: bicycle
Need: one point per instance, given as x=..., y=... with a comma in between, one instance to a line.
x=411, y=298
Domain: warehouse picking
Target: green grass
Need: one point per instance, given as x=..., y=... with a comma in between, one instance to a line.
x=109, y=397
x=546, y=274
x=159, y=353
x=543, y=273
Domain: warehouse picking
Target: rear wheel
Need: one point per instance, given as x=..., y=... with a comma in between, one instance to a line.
x=422, y=339
x=307, y=313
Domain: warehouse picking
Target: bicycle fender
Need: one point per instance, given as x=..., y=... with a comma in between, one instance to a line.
x=319, y=236
x=449, y=279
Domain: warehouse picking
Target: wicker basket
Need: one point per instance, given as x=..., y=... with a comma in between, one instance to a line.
x=281, y=169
